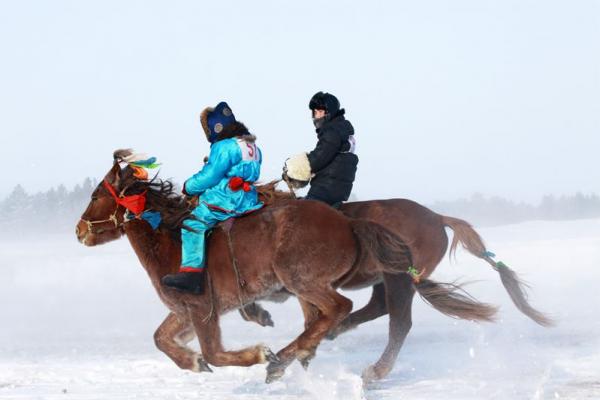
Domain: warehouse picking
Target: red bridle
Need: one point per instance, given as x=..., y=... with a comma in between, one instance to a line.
x=136, y=203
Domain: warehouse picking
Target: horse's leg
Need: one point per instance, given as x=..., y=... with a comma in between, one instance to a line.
x=311, y=313
x=333, y=308
x=399, y=291
x=375, y=308
x=209, y=335
x=171, y=338
x=253, y=312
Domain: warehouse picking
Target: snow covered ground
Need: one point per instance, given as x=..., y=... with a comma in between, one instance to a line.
x=77, y=323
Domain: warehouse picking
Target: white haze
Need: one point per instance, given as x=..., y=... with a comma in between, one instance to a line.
x=448, y=98
x=80, y=320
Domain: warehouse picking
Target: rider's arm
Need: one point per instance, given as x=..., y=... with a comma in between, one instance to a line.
x=219, y=162
x=328, y=146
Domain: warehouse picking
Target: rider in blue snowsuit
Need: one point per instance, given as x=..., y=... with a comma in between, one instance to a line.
x=226, y=190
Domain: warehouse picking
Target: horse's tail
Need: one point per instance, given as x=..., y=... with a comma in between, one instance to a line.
x=472, y=242
x=451, y=299
x=379, y=245
x=391, y=255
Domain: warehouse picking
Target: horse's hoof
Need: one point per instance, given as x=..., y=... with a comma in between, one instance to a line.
x=270, y=356
x=369, y=375
x=265, y=319
x=331, y=335
x=338, y=330
x=374, y=373
x=306, y=358
x=305, y=362
x=274, y=372
x=203, y=365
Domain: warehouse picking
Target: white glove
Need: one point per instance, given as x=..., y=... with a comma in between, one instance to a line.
x=298, y=167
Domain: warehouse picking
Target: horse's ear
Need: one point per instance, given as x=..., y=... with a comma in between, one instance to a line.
x=119, y=164
x=114, y=175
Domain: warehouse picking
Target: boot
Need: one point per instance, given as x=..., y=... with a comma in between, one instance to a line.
x=192, y=282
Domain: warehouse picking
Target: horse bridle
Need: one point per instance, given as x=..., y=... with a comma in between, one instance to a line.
x=120, y=200
x=113, y=218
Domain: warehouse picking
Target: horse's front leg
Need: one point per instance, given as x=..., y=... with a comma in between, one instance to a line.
x=209, y=335
x=171, y=338
x=323, y=309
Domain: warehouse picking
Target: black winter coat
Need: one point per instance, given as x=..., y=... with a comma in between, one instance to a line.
x=332, y=161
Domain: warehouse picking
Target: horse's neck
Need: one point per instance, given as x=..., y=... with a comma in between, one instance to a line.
x=157, y=252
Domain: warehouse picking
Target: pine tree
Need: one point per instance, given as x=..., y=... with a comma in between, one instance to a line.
x=17, y=203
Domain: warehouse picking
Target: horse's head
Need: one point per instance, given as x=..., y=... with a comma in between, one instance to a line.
x=102, y=220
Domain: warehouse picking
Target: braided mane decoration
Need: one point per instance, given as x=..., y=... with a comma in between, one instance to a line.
x=121, y=155
x=139, y=162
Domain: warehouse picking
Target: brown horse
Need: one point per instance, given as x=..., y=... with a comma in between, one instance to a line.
x=424, y=232
x=297, y=252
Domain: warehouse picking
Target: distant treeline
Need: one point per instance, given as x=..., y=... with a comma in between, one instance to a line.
x=56, y=210
x=487, y=211
x=59, y=209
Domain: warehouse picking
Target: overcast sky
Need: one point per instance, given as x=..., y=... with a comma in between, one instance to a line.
x=447, y=98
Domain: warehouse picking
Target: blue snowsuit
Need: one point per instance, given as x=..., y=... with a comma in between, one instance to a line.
x=235, y=158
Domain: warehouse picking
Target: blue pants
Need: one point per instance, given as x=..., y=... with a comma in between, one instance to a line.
x=193, y=243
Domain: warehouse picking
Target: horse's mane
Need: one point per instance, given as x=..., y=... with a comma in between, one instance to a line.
x=175, y=208
x=269, y=194
x=162, y=196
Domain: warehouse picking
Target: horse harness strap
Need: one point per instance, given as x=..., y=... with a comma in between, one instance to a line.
x=211, y=312
x=133, y=203
x=112, y=218
x=227, y=226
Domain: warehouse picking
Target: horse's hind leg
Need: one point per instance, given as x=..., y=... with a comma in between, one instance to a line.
x=333, y=308
x=399, y=291
x=375, y=308
x=171, y=338
x=253, y=312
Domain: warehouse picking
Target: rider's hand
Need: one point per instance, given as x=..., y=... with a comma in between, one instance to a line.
x=294, y=183
x=192, y=201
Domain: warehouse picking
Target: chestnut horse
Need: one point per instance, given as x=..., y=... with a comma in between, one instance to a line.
x=424, y=232
x=285, y=246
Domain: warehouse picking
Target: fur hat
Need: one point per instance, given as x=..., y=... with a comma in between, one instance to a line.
x=214, y=120
x=325, y=101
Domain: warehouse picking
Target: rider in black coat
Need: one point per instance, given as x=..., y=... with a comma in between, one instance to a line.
x=333, y=161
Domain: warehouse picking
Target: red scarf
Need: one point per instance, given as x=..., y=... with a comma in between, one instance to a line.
x=135, y=203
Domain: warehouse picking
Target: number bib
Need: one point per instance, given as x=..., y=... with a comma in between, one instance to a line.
x=249, y=151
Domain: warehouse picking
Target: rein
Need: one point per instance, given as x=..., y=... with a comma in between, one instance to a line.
x=291, y=189
x=289, y=185
x=226, y=227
